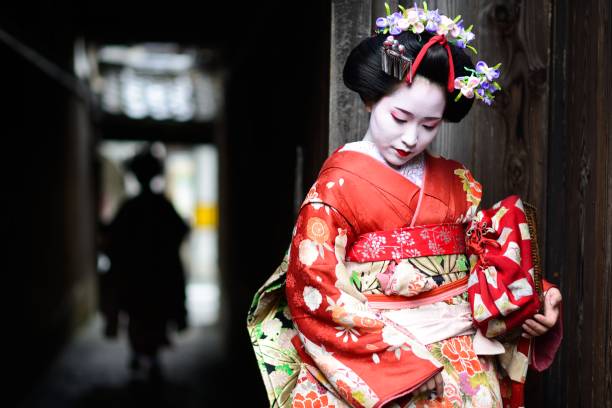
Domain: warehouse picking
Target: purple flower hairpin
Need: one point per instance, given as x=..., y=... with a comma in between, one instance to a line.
x=418, y=20
x=480, y=84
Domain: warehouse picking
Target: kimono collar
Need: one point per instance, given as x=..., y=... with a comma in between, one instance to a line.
x=389, y=180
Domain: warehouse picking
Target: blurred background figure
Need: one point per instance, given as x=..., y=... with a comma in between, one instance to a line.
x=146, y=280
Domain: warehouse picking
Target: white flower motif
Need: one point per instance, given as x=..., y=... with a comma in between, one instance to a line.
x=393, y=337
x=413, y=253
x=312, y=298
x=284, y=340
x=483, y=398
x=434, y=247
x=308, y=252
x=412, y=16
x=375, y=358
x=279, y=378
x=403, y=24
x=272, y=328
x=445, y=235
x=347, y=332
x=445, y=25
x=373, y=245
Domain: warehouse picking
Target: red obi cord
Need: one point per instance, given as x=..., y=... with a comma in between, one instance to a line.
x=408, y=242
x=436, y=39
x=476, y=241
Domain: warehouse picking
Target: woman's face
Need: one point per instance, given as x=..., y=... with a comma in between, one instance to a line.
x=405, y=122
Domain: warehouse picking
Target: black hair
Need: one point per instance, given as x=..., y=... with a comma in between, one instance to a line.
x=364, y=75
x=145, y=166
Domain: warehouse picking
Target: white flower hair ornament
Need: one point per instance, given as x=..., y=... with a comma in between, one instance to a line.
x=481, y=83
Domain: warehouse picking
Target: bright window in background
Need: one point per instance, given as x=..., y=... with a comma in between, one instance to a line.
x=159, y=81
x=190, y=183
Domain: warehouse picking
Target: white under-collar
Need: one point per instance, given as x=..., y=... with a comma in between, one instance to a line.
x=414, y=170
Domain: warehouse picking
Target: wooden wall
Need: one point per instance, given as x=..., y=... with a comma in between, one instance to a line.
x=579, y=226
x=547, y=139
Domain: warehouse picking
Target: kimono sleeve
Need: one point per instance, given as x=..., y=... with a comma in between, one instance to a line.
x=363, y=357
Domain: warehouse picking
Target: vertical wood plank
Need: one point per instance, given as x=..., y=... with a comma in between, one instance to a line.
x=586, y=281
x=348, y=119
x=555, y=390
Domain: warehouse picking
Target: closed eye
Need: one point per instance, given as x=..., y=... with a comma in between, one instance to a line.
x=431, y=127
x=398, y=120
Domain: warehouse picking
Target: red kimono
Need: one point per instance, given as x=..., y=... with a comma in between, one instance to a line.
x=367, y=333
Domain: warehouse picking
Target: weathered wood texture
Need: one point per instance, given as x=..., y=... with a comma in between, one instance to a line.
x=348, y=119
x=580, y=196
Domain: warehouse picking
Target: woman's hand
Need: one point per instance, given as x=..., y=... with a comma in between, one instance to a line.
x=541, y=323
x=434, y=383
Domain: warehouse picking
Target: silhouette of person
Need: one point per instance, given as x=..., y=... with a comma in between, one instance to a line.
x=146, y=274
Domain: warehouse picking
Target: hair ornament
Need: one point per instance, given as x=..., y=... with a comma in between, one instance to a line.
x=395, y=63
x=480, y=84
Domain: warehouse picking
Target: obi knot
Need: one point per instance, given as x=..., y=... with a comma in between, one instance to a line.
x=477, y=241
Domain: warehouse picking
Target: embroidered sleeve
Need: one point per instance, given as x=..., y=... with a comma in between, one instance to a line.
x=472, y=193
x=362, y=357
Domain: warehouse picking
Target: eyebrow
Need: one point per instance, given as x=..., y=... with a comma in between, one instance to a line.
x=410, y=113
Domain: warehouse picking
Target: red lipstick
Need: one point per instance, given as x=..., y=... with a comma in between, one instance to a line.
x=402, y=153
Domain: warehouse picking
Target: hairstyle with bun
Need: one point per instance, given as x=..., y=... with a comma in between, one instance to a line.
x=363, y=74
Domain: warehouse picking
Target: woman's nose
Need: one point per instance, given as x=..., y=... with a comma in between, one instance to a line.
x=410, y=137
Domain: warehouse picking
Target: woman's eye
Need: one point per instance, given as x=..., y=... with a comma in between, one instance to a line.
x=428, y=127
x=398, y=120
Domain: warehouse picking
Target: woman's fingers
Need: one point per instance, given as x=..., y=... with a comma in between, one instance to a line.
x=529, y=331
x=548, y=321
x=553, y=297
x=552, y=301
x=534, y=328
x=541, y=323
x=439, y=384
x=435, y=383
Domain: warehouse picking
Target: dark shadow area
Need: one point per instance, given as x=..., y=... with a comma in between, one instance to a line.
x=91, y=372
x=271, y=131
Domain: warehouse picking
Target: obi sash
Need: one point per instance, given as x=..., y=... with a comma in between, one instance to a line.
x=411, y=242
x=408, y=242
x=423, y=241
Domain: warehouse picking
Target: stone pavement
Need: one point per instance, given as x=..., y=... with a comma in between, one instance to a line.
x=92, y=372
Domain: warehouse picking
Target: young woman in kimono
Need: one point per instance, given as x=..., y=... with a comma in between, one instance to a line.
x=374, y=310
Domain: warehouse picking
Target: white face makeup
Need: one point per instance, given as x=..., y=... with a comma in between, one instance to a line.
x=405, y=122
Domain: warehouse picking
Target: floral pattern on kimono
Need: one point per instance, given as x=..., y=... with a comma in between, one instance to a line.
x=353, y=347
x=350, y=345
x=345, y=353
